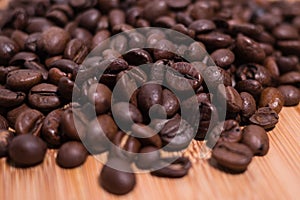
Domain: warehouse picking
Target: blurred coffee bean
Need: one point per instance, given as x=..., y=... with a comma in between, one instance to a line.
x=155, y=9
x=89, y=19
x=272, y=98
x=285, y=32
x=202, y=26
x=8, y=48
x=38, y=24
x=170, y=102
x=287, y=64
x=290, y=94
x=100, y=96
x=290, y=78
x=6, y=137
x=3, y=123
x=14, y=113
x=215, y=40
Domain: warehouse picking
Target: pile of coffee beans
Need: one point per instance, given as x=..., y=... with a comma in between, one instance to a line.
x=44, y=43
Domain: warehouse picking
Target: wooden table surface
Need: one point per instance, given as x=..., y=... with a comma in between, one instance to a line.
x=275, y=176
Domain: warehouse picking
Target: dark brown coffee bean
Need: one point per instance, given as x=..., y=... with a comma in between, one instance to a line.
x=272, y=67
x=170, y=102
x=234, y=157
x=137, y=57
x=6, y=137
x=244, y=28
x=155, y=9
x=67, y=89
x=289, y=47
x=44, y=97
x=176, y=135
x=287, y=64
x=265, y=117
x=290, y=94
x=29, y=122
x=249, y=50
x=253, y=87
x=71, y=154
x=116, y=181
x=116, y=17
x=215, y=40
x=82, y=34
x=38, y=24
x=51, y=128
x=31, y=42
x=256, y=72
x=202, y=26
x=147, y=157
x=23, y=80
x=149, y=95
x=64, y=65
x=14, y=113
x=54, y=40
x=233, y=99
x=290, y=78
x=165, y=22
x=60, y=14
x=223, y=57
x=125, y=114
x=285, y=32
x=3, y=123
x=55, y=75
x=256, y=138
x=146, y=135
x=22, y=57
x=27, y=150
x=8, y=48
x=248, y=106
x=19, y=37
x=6, y=70
x=76, y=51
x=176, y=5
x=272, y=98
x=178, y=168
x=184, y=18
x=9, y=98
x=100, y=96
x=201, y=10
x=89, y=19
x=99, y=38
x=100, y=132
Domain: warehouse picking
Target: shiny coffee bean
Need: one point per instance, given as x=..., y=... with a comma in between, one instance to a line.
x=170, y=102
x=234, y=157
x=149, y=95
x=256, y=138
x=6, y=137
x=89, y=19
x=248, y=106
x=51, y=128
x=55, y=75
x=233, y=99
x=22, y=57
x=100, y=96
x=285, y=32
x=252, y=87
x=71, y=154
x=265, y=117
x=223, y=57
x=44, y=97
x=29, y=122
x=3, y=123
x=202, y=26
x=164, y=49
x=38, y=24
x=6, y=70
x=146, y=135
x=8, y=48
x=100, y=132
x=31, y=42
x=19, y=37
x=9, y=98
x=115, y=181
x=14, y=113
x=290, y=78
x=272, y=67
x=176, y=135
x=290, y=94
x=147, y=157
x=27, y=150
x=215, y=40
x=255, y=72
x=272, y=98
x=138, y=57
x=76, y=51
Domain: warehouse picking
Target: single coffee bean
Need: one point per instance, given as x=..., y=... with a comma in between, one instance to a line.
x=116, y=17
x=290, y=94
x=6, y=137
x=51, y=128
x=100, y=96
x=71, y=154
x=117, y=66
x=176, y=5
x=223, y=57
x=82, y=34
x=125, y=114
x=252, y=87
x=170, y=102
x=248, y=106
x=54, y=40
x=38, y=24
x=89, y=19
x=147, y=157
x=22, y=57
x=76, y=51
x=19, y=37
x=233, y=99
x=27, y=150
x=9, y=98
x=176, y=135
x=272, y=98
x=287, y=64
x=215, y=40
x=55, y=75
x=14, y=113
x=116, y=181
x=250, y=30
x=6, y=70
x=8, y=48
x=31, y=42
x=255, y=72
x=290, y=78
x=100, y=39
x=165, y=22
x=202, y=26
x=176, y=169
x=155, y=9
x=285, y=32
x=3, y=123
x=272, y=67
x=137, y=57
x=149, y=95
x=44, y=97
x=256, y=138
x=234, y=157
x=100, y=132
x=265, y=117
x=23, y=79
x=146, y=135
x=289, y=47
x=29, y=122
x=164, y=49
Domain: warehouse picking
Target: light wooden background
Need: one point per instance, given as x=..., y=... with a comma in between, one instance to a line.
x=275, y=176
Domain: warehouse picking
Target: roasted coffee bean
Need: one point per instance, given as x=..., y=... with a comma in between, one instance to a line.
x=170, y=102
x=27, y=150
x=89, y=19
x=99, y=39
x=234, y=157
x=184, y=18
x=249, y=50
x=147, y=157
x=14, y=113
x=116, y=17
x=83, y=4
x=149, y=95
x=290, y=94
x=165, y=22
x=256, y=138
x=176, y=135
x=23, y=79
x=9, y=98
x=84, y=35
x=272, y=98
x=38, y=24
x=76, y=51
x=6, y=137
x=60, y=14
x=289, y=47
x=65, y=65
x=290, y=78
x=248, y=106
x=146, y=135
x=272, y=67
x=54, y=40
x=74, y=123
x=19, y=37
x=137, y=57
x=67, y=89
x=100, y=132
x=6, y=70
x=233, y=99
x=155, y=9
x=117, y=66
x=3, y=123
x=22, y=57
x=29, y=122
x=31, y=42
x=71, y=154
x=202, y=26
x=44, y=97
x=176, y=5
x=8, y=48
x=105, y=6
x=287, y=64
x=136, y=40
x=164, y=49
x=255, y=72
x=100, y=96
x=265, y=117
x=55, y=75
x=285, y=32
x=51, y=128
x=125, y=114
x=215, y=40
x=116, y=181
x=177, y=169
x=223, y=57
x=252, y=87
x=244, y=28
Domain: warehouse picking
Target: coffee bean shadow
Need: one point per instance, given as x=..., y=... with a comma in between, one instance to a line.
x=212, y=162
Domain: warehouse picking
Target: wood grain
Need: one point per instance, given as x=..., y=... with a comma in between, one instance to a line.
x=275, y=176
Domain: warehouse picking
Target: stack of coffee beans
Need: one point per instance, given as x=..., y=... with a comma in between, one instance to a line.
x=43, y=44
